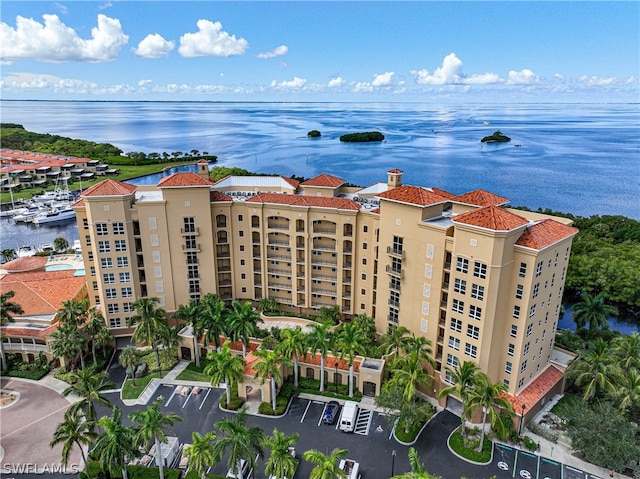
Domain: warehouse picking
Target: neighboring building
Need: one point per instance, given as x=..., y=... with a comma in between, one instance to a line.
x=481, y=281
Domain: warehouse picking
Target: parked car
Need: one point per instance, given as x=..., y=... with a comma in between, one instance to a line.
x=331, y=412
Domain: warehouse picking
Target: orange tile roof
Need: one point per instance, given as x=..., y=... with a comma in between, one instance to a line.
x=80, y=202
x=396, y=171
x=25, y=264
x=42, y=292
x=480, y=198
x=444, y=193
x=17, y=331
x=291, y=181
x=413, y=195
x=330, y=362
x=544, y=234
x=306, y=201
x=249, y=361
x=181, y=179
x=492, y=218
x=216, y=196
x=535, y=391
x=325, y=181
x=109, y=188
x=376, y=211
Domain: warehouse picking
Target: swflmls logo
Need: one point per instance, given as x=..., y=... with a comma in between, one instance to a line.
x=33, y=468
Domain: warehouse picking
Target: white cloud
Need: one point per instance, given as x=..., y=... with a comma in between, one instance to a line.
x=105, y=5
x=596, y=81
x=482, y=79
x=384, y=79
x=144, y=82
x=448, y=73
x=363, y=87
x=296, y=83
x=276, y=52
x=336, y=82
x=55, y=42
x=154, y=46
x=211, y=40
x=523, y=77
x=31, y=82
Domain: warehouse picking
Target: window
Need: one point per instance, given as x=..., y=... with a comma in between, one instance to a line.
x=529, y=330
x=113, y=308
x=507, y=367
x=108, y=278
x=397, y=244
x=456, y=325
x=473, y=331
x=365, y=229
x=102, y=229
x=479, y=270
x=114, y=322
x=514, y=330
x=190, y=242
x=85, y=223
x=539, y=269
x=525, y=351
x=194, y=286
x=519, y=291
x=553, y=277
x=126, y=292
x=523, y=367
x=242, y=262
x=523, y=270
x=393, y=315
x=458, y=306
x=240, y=218
x=118, y=228
x=87, y=240
x=462, y=265
x=106, y=263
x=92, y=270
x=364, y=246
x=460, y=286
x=104, y=247
x=110, y=293
x=123, y=262
x=477, y=292
x=90, y=255
x=364, y=261
x=447, y=377
x=189, y=224
x=470, y=350
x=95, y=285
x=532, y=310
x=125, y=277
x=516, y=312
x=127, y=307
x=475, y=312
x=452, y=361
x=241, y=233
x=536, y=290
x=192, y=258
x=511, y=349
x=121, y=245
x=454, y=343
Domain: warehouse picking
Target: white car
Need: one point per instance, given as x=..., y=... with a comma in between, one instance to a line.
x=244, y=469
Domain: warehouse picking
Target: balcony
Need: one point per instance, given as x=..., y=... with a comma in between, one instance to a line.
x=277, y=243
x=278, y=226
x=190, y=231
x=394, y=286
x=394, y=271
x=330, y=248
x=191, y=248
x=24, y=346
x=394, y=303
x=396, y=252
x=279, y=257
x=347, y=265
x=326, y=231
x=324, y=263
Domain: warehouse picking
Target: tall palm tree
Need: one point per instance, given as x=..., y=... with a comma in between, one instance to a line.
x=74, y=312
x=594, y=371
x=408, y=373
x=292, y=344
x=74, y=430
x=268, y=304
x=326, y=466
x=397, y=339
x=592, y=310
x=129, y=360
x=488, y=396
x=628, y=391
x=463, y=378
x=319, y=340
x=243, y=321
x=68, y=342
x=239, y=442
x=97, y=331
x=350, y=342
x=88, y=385
x=269, y=368
x=281, y=463
x=150, y=323
x=115, y=445
x=154, y=425
x=213, y=318
x=225, y=367
x=626, y=350
x=200, y=452
x=7, y=310
x=417, y=468
x=191, y=314
x=421, y=348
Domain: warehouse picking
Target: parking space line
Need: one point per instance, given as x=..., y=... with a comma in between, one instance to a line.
x=170, y=397
x=185, y=403
x=322, y=415
x=205, y=398
x=305, y=411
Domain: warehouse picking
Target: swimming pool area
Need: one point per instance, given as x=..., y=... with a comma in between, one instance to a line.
x=80, y=272
x=58, y=267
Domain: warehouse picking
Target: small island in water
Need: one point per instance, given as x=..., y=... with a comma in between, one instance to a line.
x=497, y=137
x=362, y=137
x=314, y=134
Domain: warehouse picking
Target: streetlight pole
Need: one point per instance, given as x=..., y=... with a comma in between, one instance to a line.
x=393, y=461
x=524, y=406
x=335, y=378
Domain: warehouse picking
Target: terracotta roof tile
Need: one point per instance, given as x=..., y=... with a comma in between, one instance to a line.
x=216, y=196
x=480, y=198
x=395, y=171
x=17, y=331
x=324, y=180
x=492, y=218
x=26, y=264
x=414, y=195
x=444, y=193
x=306, y=201
x=376, y=211
x=544, y=234
x=330, y=362
x=188, y=178
x=80, y=202
x=109, y=188
x=535, y=391
x=291, y=181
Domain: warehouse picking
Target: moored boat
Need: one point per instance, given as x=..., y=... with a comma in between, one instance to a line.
x=55, y=215
x=25, y=251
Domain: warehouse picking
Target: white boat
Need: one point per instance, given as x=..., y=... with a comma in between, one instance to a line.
x=30, y=213
x=58, y=194
x=55, y=215
x=77, y=247
x=25, y=251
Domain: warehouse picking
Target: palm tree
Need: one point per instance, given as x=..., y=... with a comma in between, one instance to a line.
x=592, y=310
x=463, y=378
x=200, y=452
x=7, y=255
x=60, y=244
x=153, y=424
x=190, y=314
x=88, y=385
x=594, y=371
x=7, y=310
x=326, y=466
x=408, y=374
x=421, y=348
x=129, y=360
x=98, y=332
x=282, y=463
x=417, y=468
x=330, y=316
x=239, y=442
x=213, y=316
x=68, y=342
x=268, y=304
x=488, y=396
x=626, y=349
x=74, y=430
x=292, y=344
x=397, y=339
x=269, y=367
x=74, y=312
x=115, y=444
x=350, y=343
x=150, y=322
x=225, y=367
x=320, y=340
x=243, y=321
x=628, y=391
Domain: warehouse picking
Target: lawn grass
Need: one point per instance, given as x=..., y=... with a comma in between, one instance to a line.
x=192, y=375
x=129, y=391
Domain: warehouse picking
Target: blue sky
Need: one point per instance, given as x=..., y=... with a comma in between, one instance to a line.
x=414, y=51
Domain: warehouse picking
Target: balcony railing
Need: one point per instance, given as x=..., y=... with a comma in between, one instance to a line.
x=394, y=286
x=190, y=231
x=191, y=247
x=327, y=231
x=394, y=303
x=397, y=252
x=394, y=271
x=278, y=226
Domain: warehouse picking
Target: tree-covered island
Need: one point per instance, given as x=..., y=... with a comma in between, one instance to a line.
x=314, y=134
x=362, y=137
x=497, y=137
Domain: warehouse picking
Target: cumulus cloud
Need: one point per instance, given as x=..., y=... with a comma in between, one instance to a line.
x=383, y=79
x=210, y=40
x=276, y=52
x=296, y=83
x=154, y=46
x=31, y=81
x=144, y=82
x=446, y=74
x=523, y=77
x=53, y=41
x=336, y=82
x=596, y=81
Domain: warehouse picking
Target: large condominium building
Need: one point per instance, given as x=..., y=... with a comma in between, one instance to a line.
x=481, y=281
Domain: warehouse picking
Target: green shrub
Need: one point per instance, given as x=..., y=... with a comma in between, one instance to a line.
x=34, y=375
x=457, y=443
x=547, y=433
x=529, y=443
x=236, y=401
x=312, y=386
x=168, y=359
x=508, y=431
